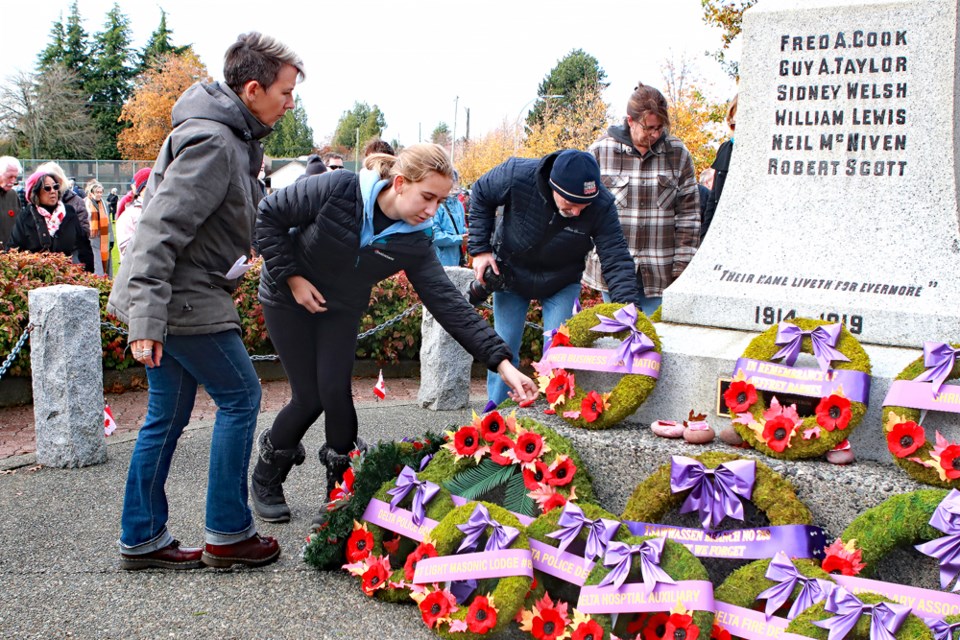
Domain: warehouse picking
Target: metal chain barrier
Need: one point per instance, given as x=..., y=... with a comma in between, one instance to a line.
x=16, y=350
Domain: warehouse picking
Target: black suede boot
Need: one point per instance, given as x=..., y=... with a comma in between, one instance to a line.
x=336, y=464
x=266, y=485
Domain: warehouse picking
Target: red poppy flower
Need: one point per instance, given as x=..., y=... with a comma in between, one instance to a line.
x=11, y=213
x=592, y=406
x=359, y=545
x=681, y=627
x=528, y=447
x=833, y=412
x=719, y=633
x=589, y=630
x=375, y=578
x=740, y=396
x=391, y=542
x=501, y=451
x=549, y=625
x=343, y=489
x=540, y=475
x=777, y=432
x=466, y=441
x=423, y=550
x=905, y=438
x=843, y=558
x=435, y=606
x=656, y=628
x=950, y=461
x=561, y=471
x=555, y=500
x=560, y=339
x=560, y=387
x=492, y=425
x=637, y=623
x=481, y=617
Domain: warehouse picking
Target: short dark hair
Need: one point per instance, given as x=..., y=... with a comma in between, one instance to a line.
x=255, y=56
x=329, y=156
x=378, y=146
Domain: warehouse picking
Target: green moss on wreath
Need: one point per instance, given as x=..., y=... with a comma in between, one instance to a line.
x=679, y=564
x=913, y=627
x=919, y=472
x=632, y=390
x=902, y=520
x=742, y=587
x=657, y=315
x=772, y=494
x=763, y=348
x=509, y=593
x=437, y=508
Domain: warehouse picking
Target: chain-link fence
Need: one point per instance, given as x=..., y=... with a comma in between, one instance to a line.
x=112, y=174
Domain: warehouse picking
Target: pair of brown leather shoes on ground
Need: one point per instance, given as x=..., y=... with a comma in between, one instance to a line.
x=256, y=551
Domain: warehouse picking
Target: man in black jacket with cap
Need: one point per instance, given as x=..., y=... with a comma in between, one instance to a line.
x=555, y=210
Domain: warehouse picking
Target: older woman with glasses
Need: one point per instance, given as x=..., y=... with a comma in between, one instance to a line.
x=47, y=224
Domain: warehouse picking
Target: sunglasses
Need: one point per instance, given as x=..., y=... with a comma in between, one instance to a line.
x=51, y=187
x=334, y=167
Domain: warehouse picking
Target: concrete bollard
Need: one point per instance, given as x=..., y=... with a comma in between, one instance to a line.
x=444, y=364
x=67, y=362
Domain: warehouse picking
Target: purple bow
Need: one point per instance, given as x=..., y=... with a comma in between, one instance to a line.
x=938, y=358
x=636, y=343
x=824, y=339
x=619, y=556
x=942, y=630
x=499, y=539
x=783, y=572
x=425, y=492
x=713, y=492
x=572, y=521
x=946, y=518
x=576, y=306
x=885, y=617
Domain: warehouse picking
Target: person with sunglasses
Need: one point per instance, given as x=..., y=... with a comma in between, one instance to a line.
x=651, y=175
x=46, y=224
x=333, y=161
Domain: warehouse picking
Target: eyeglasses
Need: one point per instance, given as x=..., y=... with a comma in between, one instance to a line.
x=51, y=187
x=334, y=167
x=646, y=129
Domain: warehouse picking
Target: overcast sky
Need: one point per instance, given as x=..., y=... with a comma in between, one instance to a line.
x=414, y=59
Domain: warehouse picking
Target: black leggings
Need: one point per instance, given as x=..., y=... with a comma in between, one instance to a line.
x=317, y=352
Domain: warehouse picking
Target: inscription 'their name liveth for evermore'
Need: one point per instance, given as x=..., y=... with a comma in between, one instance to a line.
x=841, y=105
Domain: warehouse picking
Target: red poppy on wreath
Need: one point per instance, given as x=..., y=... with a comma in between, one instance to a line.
x=375, y=577
x=424, y=550
x=560, y=387
x=492, y=426
x=529, y=446
x=553, y=501
x=561, y=471
x=360, y=543
x=561, y=338
x=391, y=542
x=740, y=396
x=833, y=412
x=777, y=432
x=719, y=633
x=681, y=627
x=588, y=630
x=435, y=606
x=656, y=627
x=905, y=438
x=845, y=558
x=593, y=405
x=637, y=623
x=481, y=616
x=549, y=625
x=533, y=478
x=950, y=461
x=466, y=441
x=501, y=451
x=342, y=490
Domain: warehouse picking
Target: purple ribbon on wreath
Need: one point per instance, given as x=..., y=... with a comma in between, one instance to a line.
x=499, y=539
x=572, y=521
x=714, y=493
x=625, y=319
x=946, y=518
x=886, y=618
x=938, y=358
x=942, y=630
x=786, y=575
x=824, y=339
x=424, y=492
x=620, y=555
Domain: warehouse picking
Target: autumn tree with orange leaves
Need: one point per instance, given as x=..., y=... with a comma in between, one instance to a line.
x=148, y=111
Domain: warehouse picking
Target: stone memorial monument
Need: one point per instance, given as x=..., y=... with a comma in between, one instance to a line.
x=444, y=364
x=841, y=202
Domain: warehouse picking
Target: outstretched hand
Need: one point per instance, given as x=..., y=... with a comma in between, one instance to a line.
x=523, y=389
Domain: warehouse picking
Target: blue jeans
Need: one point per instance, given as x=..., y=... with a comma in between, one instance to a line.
x=509, y=314
x=647, y=305
x=220, y=363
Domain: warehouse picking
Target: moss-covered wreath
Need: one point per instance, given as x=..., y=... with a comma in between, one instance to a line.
x=679, y=564
x=913, y=627
x=403, y=553
x=936, y=462
x=500, y=598
x=778, y=431
x=742, y=587
x=537, y=468
x=595, y=410
x=772, y=494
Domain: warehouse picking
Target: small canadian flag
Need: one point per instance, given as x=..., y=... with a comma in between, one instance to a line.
x=109, y=424
x=380, y=389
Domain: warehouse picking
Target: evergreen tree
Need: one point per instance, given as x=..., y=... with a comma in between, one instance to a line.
x=109, y=80
x=577, y=73
x=159, y=44
x=441, y=135
x=76, y=46
x=292, y=136
x=369, y=120
x=56, y=50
